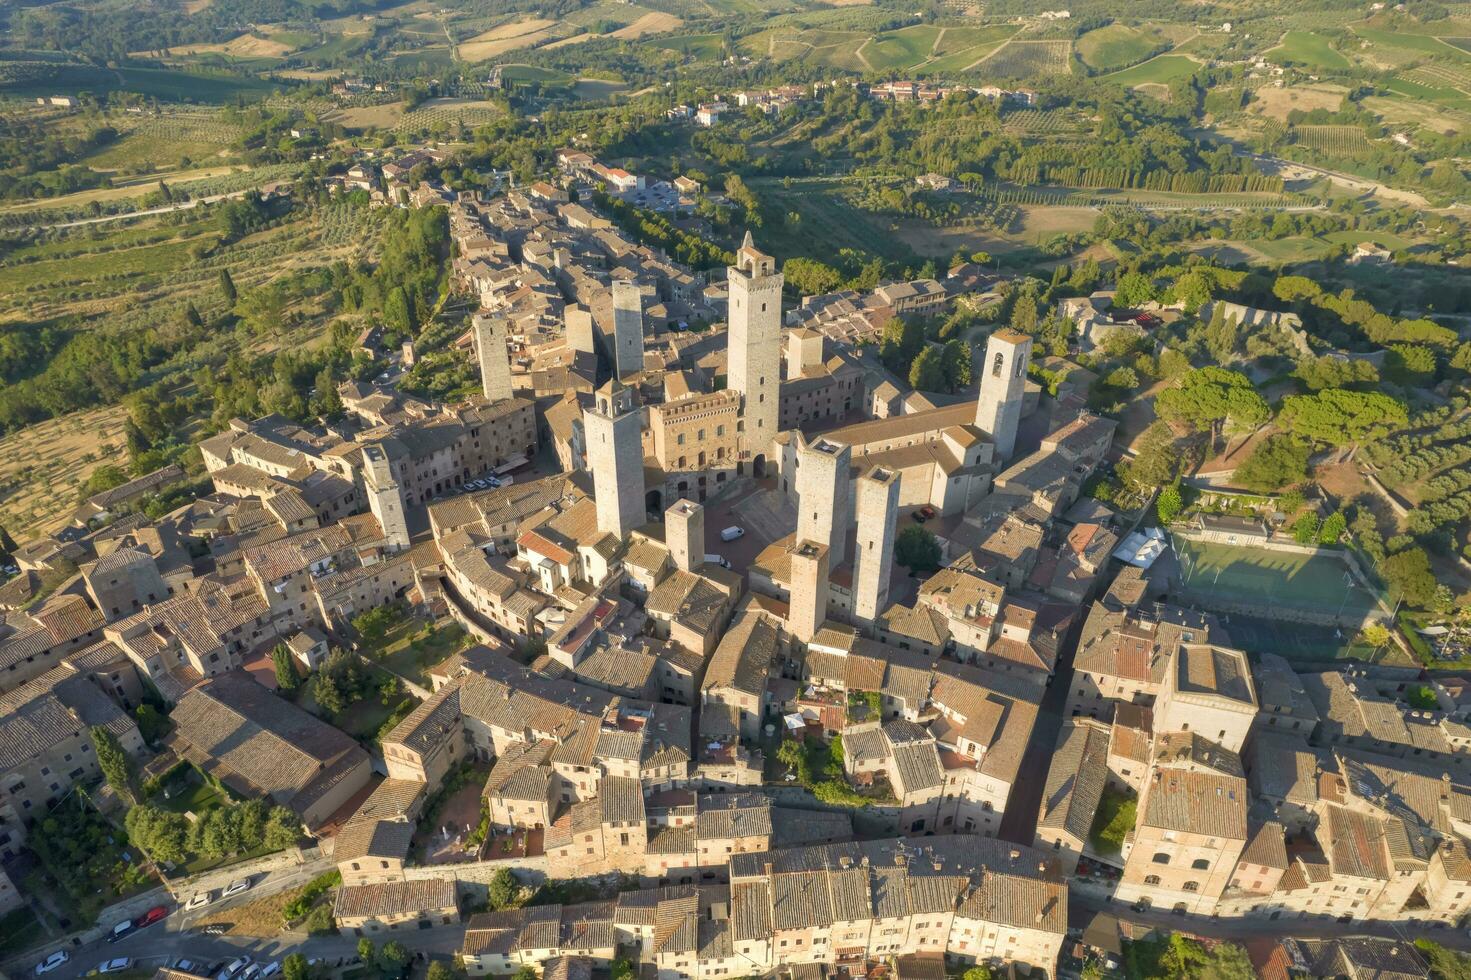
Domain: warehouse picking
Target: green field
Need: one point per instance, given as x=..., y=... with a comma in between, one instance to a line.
x=1225, y=576
x=954, y=59
x=901, y=49
x=1417, y=43
x=1114, y=46
x=701, y=47
x=160, y=83
x=1309, y=50
x=1163, y=70
x=534, y=73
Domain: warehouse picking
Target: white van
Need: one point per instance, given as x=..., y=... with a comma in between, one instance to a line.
x=717, y=560
x=732, y=533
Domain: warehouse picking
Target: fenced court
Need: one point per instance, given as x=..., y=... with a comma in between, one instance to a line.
x=1274, y=583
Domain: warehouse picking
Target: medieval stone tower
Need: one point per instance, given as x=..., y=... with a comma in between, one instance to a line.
x=616, y=459
x=754, y=341
x=1003, y=384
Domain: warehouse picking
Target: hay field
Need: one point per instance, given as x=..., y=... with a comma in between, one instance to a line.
x=507, y=37
x=1277, y=103
x=654, y=22
x=244, y=46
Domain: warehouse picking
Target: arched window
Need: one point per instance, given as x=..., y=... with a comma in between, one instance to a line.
x=1200, y=864
x=1192, y=886
x=1161, y=858
x=997, y=366
x=1151, y=879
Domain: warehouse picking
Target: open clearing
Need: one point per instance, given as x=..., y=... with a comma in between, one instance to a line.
x=362, y=117
x=1276, y=103
x=43, y=466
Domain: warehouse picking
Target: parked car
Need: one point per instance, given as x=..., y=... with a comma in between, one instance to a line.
x=923, y=514
x=250, y=972
x=732, y=533
x=269, y=970
x=116, y=965
x=121, y=930
x=233, y=967
x=190, y=966
x=199, y=901
x=52, y=962
x=237, y=887
x=156, y=914
x=717, y=560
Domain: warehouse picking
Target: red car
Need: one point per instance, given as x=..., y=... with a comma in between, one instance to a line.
x=155, y=914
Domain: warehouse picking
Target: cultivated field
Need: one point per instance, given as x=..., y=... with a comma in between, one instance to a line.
x=1029, y=59
x=507, y=37
x=1337, y=141
x=43, y=466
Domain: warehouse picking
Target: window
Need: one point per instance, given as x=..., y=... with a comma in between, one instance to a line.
x=1151, y=879
x=1200, y=864
x=1192, y=886
x=998, y=366
x=1161, y=858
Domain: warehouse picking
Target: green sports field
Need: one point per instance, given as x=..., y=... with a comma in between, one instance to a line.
x=1280, y=582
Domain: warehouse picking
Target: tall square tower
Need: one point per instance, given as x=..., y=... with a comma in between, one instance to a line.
x=824, y=494
x=684, y=534
x=877, y=514
x=810, y=574
x=615, y=457
x=628, y=329
x=754, y=340
x=492, y=349
x=1003, y=386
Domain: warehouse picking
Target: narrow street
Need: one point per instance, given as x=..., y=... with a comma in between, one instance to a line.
x=1019, y=822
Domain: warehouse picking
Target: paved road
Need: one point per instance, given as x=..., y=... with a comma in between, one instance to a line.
x=151, y=949
x=166, y=940
x=165, y=209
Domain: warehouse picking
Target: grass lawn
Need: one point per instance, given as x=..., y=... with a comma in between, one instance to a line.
x=1308, y=49
x=19, y=930
x=1274, y=580
x=188, y=792
x=409, y=651
x=1388, y=239
x=1113, y=821
x=1293, y=249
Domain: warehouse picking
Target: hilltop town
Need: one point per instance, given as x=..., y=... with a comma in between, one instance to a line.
x=697, y=641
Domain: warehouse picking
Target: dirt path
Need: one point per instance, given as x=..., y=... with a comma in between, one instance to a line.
x=863, y=57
